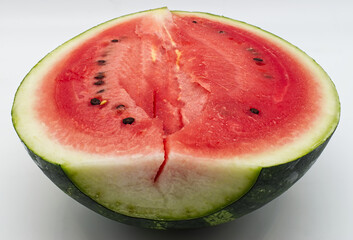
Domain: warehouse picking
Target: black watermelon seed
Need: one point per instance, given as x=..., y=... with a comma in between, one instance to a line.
x=95, y=101
x=99, y=82
x=121, y=107
x=115, y=40
x=101, y=62
x=194, y=21
x=254, y=111
x=128, y=120
x=220, y=31
x=100, y=91
x=258, y=59
x=100, y=75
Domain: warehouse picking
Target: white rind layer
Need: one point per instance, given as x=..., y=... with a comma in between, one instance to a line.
x=187, y=188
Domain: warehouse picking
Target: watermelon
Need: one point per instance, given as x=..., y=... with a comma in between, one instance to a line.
x=171, y=119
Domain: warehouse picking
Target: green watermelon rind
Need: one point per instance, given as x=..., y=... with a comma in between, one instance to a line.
x=271, y=183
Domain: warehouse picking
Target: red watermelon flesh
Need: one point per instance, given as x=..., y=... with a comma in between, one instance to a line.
x=208, y=89
x=182, y=109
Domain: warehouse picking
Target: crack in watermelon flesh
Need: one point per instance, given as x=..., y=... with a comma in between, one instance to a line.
x=160, y=169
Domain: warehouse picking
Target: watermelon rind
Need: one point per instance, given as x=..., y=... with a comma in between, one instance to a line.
x=270, y=183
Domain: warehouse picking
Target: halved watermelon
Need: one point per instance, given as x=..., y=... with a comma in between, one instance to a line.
x=171, y=119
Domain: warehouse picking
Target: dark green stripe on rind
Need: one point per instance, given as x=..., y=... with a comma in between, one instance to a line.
x=271, y=183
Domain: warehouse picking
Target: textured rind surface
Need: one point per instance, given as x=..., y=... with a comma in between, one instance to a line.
x=271, y=182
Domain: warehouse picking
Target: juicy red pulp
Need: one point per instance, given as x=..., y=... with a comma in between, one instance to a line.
x=191, y=84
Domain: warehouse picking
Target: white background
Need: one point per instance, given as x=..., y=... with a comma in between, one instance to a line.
x=319, y=206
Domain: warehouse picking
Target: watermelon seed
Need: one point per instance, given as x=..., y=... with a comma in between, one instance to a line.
x=194, y=21
x=254, y=111
x=103, y=102
x=101, y=62
x=128, y=120
x=258, y=59
x=99, y=82
x=95, y=101
x=115, y=40
x=221, y=32
x=120, y=107
x=100, y=91
x=100, y=75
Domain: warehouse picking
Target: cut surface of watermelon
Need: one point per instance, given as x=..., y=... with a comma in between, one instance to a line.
x=172, y=115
